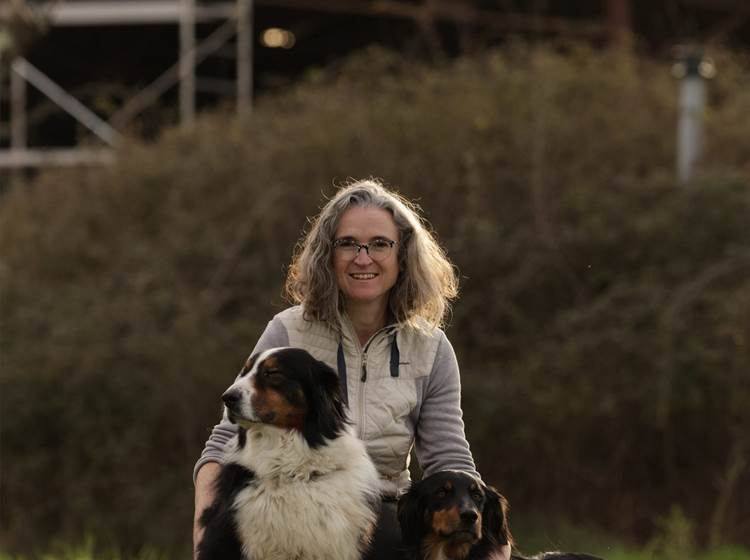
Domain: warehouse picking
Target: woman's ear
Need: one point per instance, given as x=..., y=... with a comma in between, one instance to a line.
x=495, y=517
x=411, y=516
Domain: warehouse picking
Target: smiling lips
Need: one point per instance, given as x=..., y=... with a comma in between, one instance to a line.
x=363, y=276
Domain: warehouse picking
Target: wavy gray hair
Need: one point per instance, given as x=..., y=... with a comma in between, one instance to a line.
x=427, y=280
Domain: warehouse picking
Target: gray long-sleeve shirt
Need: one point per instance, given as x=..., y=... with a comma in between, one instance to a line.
x=435, y=421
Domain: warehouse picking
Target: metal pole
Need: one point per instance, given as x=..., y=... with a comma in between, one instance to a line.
x=691, y=106
x=187, y=62
x=244, y=56
x=18, y=138
x=3, y=41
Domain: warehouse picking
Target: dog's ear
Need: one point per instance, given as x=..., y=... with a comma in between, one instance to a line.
x=326, y=416
x=410, y=514
x=329, y=380
x=495, y=517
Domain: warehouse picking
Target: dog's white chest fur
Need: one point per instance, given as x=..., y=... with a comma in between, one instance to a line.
x=305, y=504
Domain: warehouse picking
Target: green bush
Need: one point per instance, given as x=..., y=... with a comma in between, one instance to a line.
x=602, y=328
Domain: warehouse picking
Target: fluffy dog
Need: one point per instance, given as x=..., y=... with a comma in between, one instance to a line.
x=299, y=484
x=452, y=515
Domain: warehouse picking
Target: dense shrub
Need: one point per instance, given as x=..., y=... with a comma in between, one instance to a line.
x=602, y=330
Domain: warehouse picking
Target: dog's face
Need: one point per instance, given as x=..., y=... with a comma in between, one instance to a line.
x=451, y=512
x=289, y=389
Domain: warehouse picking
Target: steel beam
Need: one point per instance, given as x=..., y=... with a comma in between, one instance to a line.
x=65, y=101
x=17, y=110
x=21, y=158
x=187, y=62
x=244, y=55
x=74, y=13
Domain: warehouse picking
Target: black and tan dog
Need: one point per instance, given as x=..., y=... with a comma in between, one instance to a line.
x=452, y=515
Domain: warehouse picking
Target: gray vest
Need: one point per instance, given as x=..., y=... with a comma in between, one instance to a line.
x=381, y=398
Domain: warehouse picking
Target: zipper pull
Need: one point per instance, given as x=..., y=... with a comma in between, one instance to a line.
x=364, y=368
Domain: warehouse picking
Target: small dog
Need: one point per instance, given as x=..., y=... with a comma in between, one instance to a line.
x=299, y=483
x=452, y=515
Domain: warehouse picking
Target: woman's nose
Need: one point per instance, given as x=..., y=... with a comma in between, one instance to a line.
x=363, y=256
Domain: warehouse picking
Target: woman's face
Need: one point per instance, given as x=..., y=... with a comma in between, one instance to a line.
x=362, y=279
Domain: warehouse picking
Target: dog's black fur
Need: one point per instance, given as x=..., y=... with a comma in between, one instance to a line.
x=456, y=514
x=285, y=390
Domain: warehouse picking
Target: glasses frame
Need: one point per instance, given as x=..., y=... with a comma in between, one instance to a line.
x=366, y=246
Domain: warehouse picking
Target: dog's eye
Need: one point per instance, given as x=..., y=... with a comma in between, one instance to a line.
x=442, y=493
x=477, y=495
x=271, y=372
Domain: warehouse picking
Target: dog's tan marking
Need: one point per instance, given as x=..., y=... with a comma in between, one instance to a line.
x=445, y=521
x=273, y=408
x=432, y=546
x=435, y=547
x=271, y=363
x=457, y=551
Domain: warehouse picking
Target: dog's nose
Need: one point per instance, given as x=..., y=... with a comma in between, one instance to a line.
x=231, y=398
x=469, y=516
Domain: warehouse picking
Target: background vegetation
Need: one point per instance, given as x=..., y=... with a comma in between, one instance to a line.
x=602, y=330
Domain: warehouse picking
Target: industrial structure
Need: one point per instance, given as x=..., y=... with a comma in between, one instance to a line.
x=233, y=33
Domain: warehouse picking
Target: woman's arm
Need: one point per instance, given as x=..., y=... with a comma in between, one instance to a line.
x=440, y=440
x=204, y=495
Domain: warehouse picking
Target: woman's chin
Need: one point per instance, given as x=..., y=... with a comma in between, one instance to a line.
x=365, y=297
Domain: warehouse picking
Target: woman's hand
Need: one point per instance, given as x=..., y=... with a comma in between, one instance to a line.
x=204, y=495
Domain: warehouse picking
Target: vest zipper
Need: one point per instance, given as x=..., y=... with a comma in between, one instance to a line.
x=363, y=380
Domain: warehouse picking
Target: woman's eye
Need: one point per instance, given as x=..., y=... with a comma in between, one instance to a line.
x=380, y=244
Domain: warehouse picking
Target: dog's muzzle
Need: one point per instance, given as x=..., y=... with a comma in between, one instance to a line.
x=232, y=399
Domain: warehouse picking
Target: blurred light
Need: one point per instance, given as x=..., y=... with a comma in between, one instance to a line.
x=707, y=69
x=277, y=38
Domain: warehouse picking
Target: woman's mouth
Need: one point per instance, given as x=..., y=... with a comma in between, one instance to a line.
x=363, y=275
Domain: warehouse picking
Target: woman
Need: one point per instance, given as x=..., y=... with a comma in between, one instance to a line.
x=372, y=288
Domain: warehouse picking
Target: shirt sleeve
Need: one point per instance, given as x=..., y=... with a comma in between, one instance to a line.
x=440, y=440
x=274, y=336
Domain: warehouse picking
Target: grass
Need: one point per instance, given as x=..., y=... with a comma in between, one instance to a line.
x=533, y=533
x=88, y=550
x=611, y=551
x=675, y=540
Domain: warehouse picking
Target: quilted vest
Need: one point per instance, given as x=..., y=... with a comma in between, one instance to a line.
x=380, y=403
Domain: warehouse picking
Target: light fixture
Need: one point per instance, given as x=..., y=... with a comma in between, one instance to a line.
x=277, y=38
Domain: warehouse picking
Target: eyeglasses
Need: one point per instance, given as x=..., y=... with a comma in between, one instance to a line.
x=377, y=249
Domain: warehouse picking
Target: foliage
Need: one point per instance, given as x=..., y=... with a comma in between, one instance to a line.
x=602, y=328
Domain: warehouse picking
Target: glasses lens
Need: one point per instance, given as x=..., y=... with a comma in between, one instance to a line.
x=346, y=248
x=380, y=249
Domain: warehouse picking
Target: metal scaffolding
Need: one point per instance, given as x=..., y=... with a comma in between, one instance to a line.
x=237, y=17
x=184, y=13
